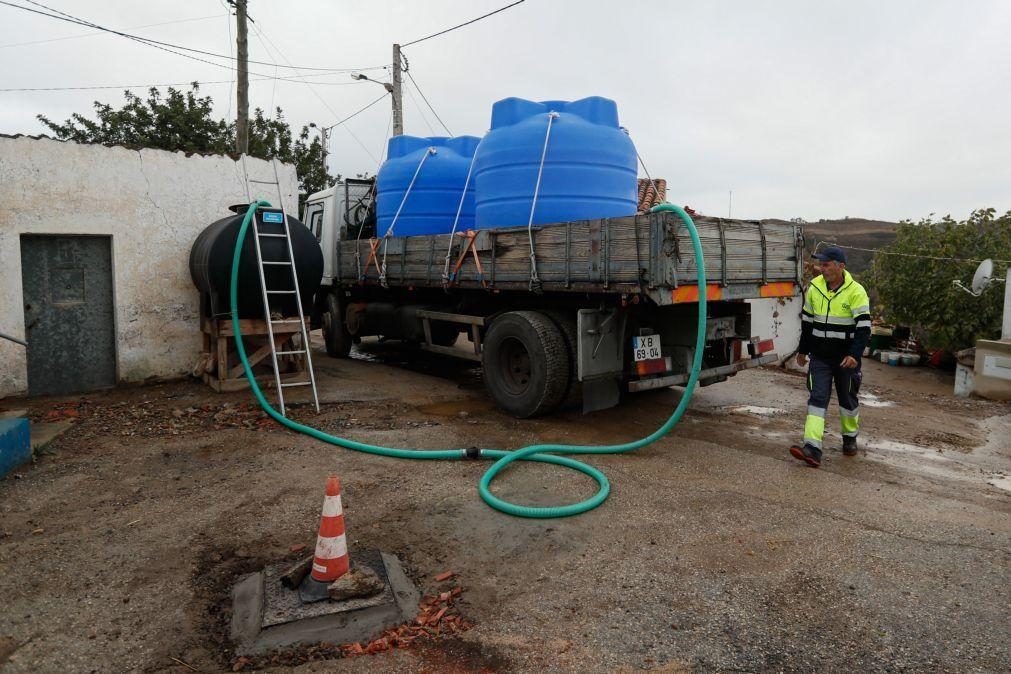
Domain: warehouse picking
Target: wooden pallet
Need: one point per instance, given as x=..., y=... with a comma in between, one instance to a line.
x=222, y=370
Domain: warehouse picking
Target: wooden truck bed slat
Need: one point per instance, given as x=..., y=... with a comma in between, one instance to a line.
x=652, y=253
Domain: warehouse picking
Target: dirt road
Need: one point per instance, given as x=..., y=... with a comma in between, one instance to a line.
x=715, y=551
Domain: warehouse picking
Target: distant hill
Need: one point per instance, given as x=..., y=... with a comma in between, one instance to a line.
x=858, y=232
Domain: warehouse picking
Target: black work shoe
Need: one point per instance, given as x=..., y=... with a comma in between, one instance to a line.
x=808, y=454
x=849, y=446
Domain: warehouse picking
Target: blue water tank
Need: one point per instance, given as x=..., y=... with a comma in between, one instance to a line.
x=433, y=200
x=589, y=169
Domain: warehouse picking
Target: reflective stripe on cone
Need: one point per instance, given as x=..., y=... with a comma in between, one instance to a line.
x=331, y=559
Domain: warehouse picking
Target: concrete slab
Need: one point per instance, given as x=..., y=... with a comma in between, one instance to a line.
x=266, y=615
x=45, y=432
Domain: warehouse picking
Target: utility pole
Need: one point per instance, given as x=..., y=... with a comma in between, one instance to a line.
x=322, y=133
x=242, y=65
x=730, y=205
x=398, y=101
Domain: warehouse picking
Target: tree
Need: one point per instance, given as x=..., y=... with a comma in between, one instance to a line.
x=183, y=121
x=916, y=290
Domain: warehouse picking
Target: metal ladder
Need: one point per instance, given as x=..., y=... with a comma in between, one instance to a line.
x=267, y=292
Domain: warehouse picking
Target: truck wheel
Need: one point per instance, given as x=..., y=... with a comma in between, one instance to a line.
x=567, y=324
x=526, y=363
x=335, y=331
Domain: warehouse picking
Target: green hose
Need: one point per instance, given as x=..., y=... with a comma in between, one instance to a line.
x=504, y=458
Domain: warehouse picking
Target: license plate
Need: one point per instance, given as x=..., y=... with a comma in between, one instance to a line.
x=646, y=347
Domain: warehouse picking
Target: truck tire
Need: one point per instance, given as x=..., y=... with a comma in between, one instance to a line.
x=567, y=324
x=335, y=330
x=526, y=363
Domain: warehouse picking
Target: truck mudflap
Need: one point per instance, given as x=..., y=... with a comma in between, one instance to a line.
x=711, y=373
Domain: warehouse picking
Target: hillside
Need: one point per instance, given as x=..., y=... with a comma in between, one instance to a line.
x=847, y=232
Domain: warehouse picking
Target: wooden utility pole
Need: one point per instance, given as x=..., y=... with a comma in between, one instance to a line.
x=398, y=101
x=242, y=65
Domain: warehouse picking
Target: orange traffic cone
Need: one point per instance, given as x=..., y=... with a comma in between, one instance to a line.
x=331, y=559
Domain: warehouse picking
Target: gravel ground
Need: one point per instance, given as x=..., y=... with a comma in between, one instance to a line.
x=715, y=551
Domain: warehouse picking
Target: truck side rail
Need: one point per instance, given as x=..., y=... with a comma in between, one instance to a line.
x=645, y=254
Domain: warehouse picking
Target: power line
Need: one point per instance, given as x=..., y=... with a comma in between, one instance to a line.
x=425, y=98
x=166, y=46
x=259, y=36
x=176, y=84
x=467, y=23
x=231, y=41
x=357, y=112
x=101, y=32
x=321, y=99
x=139, y=40
x=421, y=111
x=888, y=252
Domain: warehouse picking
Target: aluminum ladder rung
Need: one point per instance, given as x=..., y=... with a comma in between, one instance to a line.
x=303, y=330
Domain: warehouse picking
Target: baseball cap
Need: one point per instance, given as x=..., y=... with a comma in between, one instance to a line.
x=831, y=254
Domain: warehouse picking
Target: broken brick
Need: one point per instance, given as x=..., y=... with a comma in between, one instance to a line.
x=445, y=575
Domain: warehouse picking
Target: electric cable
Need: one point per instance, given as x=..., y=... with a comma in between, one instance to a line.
x=231, y=41
x=421, y=111
x=818, y=246
x=358, y=112
x=171, y=84
x=425, y=98
x=321, y=99
x=70, y=18
x=102, y=32
x=466, y=23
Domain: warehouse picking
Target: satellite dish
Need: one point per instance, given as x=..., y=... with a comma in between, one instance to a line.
x=983, y=276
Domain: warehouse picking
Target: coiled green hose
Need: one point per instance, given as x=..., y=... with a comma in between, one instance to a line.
x=503, y=458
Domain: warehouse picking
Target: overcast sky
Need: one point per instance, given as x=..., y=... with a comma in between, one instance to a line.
x=877, y=109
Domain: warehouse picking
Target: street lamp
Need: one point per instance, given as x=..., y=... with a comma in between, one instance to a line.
x=360, y=76
x=322, y=133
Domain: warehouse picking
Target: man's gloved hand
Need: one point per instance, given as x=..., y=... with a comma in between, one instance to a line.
x=802, y=359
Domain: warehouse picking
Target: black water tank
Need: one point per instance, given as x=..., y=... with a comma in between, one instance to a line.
x=211, y=265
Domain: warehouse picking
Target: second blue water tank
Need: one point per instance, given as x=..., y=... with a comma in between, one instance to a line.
x=432, y=202
x=589, y=169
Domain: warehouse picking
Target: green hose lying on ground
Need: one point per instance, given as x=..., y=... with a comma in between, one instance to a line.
x=503, y=458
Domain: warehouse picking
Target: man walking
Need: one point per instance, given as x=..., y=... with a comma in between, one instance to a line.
x=835, y=329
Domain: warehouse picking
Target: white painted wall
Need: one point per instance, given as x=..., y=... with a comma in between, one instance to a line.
x=154, y=204
x=778, y=318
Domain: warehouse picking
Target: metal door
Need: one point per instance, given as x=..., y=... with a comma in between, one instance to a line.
x=69, y=320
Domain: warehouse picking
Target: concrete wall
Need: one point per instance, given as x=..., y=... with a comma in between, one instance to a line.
x=154, y=204
x=777, y=318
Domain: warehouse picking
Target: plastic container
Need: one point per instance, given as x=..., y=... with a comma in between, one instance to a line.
x=211, y=265
x=894, y=358
x=433, y=200
x=589, y=167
